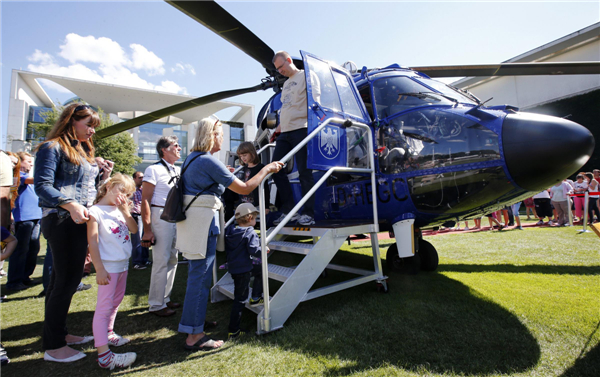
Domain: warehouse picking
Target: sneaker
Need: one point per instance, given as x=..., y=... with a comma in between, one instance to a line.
x=256, y=302
x=541, y=222
x=306, y=220
x=233, y=335
x=283, y=215
x=2, y=272
x=117, y=340
x=3, y=356
x=83, y=287
x=121, y=360
x=139, y=267
x=148, y=263
x=466, y=228
x=520, y=227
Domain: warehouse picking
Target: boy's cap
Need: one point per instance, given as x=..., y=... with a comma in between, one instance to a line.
x=245, y=209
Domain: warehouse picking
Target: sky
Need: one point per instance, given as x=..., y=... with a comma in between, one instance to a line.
x=151, y=45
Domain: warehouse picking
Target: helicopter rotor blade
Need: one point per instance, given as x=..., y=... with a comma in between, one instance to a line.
x=512, y=69
x=217, y=19
x=158, y=114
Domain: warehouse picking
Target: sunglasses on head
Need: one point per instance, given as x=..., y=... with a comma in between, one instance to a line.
x=81, y=107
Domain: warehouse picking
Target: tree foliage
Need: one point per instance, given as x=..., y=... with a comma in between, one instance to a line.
x=119, y=148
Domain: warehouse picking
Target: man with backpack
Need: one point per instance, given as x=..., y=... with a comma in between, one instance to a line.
x=158, y=180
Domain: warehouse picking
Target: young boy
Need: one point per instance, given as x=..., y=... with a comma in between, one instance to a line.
x=242, y=247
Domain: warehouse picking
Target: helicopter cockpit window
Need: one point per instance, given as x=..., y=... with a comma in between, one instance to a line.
x=321, y=79
x=447, y=90
x=433, y=138
x=393, y=95
x=349, y=104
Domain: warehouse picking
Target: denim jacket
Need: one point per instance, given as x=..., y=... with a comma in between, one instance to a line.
x=58, y=181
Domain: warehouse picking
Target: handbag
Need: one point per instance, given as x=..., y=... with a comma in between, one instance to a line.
x=174, y=211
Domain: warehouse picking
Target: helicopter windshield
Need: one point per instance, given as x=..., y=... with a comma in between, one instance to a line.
x=394, y=95
x=447, y=90
x=431, y=138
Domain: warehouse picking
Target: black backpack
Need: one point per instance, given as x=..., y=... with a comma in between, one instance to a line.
x=174, y=211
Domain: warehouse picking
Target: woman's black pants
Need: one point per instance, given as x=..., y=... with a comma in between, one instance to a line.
x=68, y=242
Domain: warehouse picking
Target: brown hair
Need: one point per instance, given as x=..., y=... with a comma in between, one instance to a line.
x=280, y=54
x=63, y=133
x=248, y=147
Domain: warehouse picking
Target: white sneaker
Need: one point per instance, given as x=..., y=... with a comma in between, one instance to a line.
x=122, y=360
x=306, y=220
x=541, y=222
x=117, y=340
x=283, y=215
x=466, y=228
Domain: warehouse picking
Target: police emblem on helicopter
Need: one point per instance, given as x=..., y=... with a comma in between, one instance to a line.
x=329, y=142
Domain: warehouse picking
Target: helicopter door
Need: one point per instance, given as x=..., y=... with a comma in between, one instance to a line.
x=331, y=93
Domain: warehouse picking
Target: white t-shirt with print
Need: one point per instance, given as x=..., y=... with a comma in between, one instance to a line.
x=114, y=240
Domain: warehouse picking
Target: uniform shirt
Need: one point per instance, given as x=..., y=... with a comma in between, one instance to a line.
x=158, y=175
x=114, y=241
x=26, y=204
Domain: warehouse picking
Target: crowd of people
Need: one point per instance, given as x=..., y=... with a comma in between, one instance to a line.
x=552, y=204
x=87, y=213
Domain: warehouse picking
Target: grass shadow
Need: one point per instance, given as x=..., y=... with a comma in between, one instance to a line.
x=528, y=269
x=428, y=323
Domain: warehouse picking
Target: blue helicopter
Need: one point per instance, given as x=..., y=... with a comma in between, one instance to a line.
x=441, y=155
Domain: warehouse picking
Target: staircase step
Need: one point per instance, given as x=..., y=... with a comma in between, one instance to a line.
x=280, y=273
x=228, y=289
x=291, y=247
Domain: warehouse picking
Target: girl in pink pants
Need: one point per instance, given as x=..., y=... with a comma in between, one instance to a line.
x=579, y=187
x=108, y=230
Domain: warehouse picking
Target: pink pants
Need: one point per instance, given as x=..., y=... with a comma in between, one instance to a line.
x=109, y=299
x=579, y=205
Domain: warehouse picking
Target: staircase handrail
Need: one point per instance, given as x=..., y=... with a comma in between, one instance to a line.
x=264, y=240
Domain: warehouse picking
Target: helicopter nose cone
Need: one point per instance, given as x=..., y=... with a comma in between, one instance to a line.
x=541, y=150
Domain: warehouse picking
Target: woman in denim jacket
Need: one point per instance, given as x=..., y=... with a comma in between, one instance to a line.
x=64, y=180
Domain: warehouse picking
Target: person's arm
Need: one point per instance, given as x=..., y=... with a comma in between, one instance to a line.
x=102, y=276
x=147, y=193
x=246, y=188
x=11, y=245
x=123, y=205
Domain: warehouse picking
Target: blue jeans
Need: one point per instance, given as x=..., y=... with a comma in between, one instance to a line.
x=139, y=254
x=24, y=259
x=285, y=143
x=198, y=288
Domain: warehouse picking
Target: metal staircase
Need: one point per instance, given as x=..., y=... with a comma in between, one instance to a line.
x=298, y=280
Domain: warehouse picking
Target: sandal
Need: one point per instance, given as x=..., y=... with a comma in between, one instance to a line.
x=204, y=344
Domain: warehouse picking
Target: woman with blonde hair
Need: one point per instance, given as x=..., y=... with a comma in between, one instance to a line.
x=65, y=181
x=204, y=180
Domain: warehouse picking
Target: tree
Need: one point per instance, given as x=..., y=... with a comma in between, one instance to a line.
x=119, y=148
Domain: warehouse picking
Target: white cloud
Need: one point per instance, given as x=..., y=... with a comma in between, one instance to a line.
x=183, y=68
x=93, y=50
x=146, y=60
x=171, y=87
x=112, y=64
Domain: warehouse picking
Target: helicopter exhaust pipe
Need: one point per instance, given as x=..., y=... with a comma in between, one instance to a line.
x=541, y=150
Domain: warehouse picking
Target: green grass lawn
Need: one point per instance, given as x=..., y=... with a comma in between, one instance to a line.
x=523, y=303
